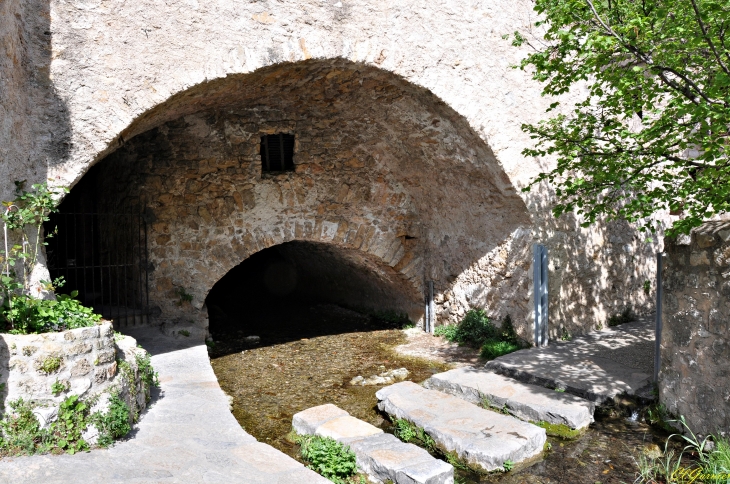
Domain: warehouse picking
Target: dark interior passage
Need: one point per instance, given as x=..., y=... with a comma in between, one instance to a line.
x=301, y=290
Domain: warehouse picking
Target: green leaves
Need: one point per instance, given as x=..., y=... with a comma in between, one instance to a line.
x=328, y=457
x=21, y=314
x=652, y=132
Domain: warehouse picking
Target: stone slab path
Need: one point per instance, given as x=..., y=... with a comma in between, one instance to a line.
x=483, y=439
x=597, y=366
x=381, y=456
x=524, y=401
x=187, y=435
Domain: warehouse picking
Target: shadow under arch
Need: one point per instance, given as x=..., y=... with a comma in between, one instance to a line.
x=382, y=167
x=297, y=290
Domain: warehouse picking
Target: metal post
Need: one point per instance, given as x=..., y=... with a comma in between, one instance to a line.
x=431, y=317
x=540, y=289
x=658, y=331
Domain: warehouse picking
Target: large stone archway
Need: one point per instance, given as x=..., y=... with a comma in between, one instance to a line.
x=382, y=167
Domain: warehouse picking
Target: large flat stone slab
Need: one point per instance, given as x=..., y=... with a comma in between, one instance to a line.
x=527, y=402
x=381, y=456
x=597, y=366
x=481, y=438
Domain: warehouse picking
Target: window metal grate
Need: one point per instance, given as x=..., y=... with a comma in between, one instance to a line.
x=277, y=153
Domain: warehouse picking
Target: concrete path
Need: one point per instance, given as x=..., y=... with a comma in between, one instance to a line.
x=524, y=401
x=597, y=366
x=187, y=435
x=481, y=438
x=381, y=456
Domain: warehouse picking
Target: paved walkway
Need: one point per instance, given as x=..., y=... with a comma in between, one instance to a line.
x=187, y=435
x=597, y=366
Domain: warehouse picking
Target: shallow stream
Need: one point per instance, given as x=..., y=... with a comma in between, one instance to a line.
x=299, y=363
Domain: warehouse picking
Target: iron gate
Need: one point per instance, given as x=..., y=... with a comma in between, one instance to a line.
x=104, y=257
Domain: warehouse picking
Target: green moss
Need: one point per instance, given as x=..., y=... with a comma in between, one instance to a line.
x=560, y=430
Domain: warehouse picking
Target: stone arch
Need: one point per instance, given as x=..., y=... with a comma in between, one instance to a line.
x=383, y=167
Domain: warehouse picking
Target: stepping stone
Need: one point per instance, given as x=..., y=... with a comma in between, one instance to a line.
x=482, y=439
x=381, y=456
x=527, y=402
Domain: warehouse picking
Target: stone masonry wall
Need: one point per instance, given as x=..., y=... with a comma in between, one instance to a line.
x=694, y=378
x=104, y=73
x=84, y=360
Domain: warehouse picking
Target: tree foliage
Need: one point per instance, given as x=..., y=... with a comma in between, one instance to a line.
x=651, y=133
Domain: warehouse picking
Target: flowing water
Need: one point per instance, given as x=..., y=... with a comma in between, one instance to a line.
x=307, y=355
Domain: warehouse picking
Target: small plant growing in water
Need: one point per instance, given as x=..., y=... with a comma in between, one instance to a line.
x=328, y=457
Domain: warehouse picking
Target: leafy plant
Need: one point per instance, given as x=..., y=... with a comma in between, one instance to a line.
x=21, y=431
x=328, y=457
x=26, y=315
x=184, y=332
x=494, y=348
x=625, y=316
x=647, y=287
x=508, y=465
x=408, y=432
x=147, y=374
x=59, y=387
x=114, y=423
x=71, y=422
x=650, y=134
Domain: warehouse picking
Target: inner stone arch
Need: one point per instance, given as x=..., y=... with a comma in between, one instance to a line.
x=265, y=294
x=381, y=167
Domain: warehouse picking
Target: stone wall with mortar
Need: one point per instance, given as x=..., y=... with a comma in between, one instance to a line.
x=84, y=360
x=694, y=378
x=122, y=69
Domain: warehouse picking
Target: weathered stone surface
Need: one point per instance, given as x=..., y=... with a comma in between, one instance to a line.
x=596, y=366
x=346, y=427
x=384, y=378
x=385, y=457
x=527, y=402
x=695, y=355
x=445, y=95
x=381, y=456
x=187, y=436
x=482, y=438
x=307, y=421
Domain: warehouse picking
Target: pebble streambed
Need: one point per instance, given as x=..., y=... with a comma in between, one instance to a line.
x=298, y=364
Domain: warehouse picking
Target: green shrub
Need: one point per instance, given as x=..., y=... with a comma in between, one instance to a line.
x=477, y=330
x=328, y=457
x=22, y=314
x=114, y=423
x=407, y=432
x=21, y=430
x=67, y=429
x=494, y=348
x=147, y=374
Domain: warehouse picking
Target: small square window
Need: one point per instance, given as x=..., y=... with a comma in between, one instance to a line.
x=277, y=153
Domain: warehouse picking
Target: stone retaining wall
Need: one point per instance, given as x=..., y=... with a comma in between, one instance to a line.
x=85, y=360
x=694, y=378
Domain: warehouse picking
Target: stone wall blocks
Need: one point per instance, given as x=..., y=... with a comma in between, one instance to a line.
x=699, y=258
x=81, y=367
x=705, y=240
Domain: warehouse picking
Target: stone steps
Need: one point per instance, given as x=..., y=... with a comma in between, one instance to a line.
x=381, y=456
x=527, y=402
x=481, y=438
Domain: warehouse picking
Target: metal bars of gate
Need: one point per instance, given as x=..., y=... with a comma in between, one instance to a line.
x=104, y=257
x=540, y=291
